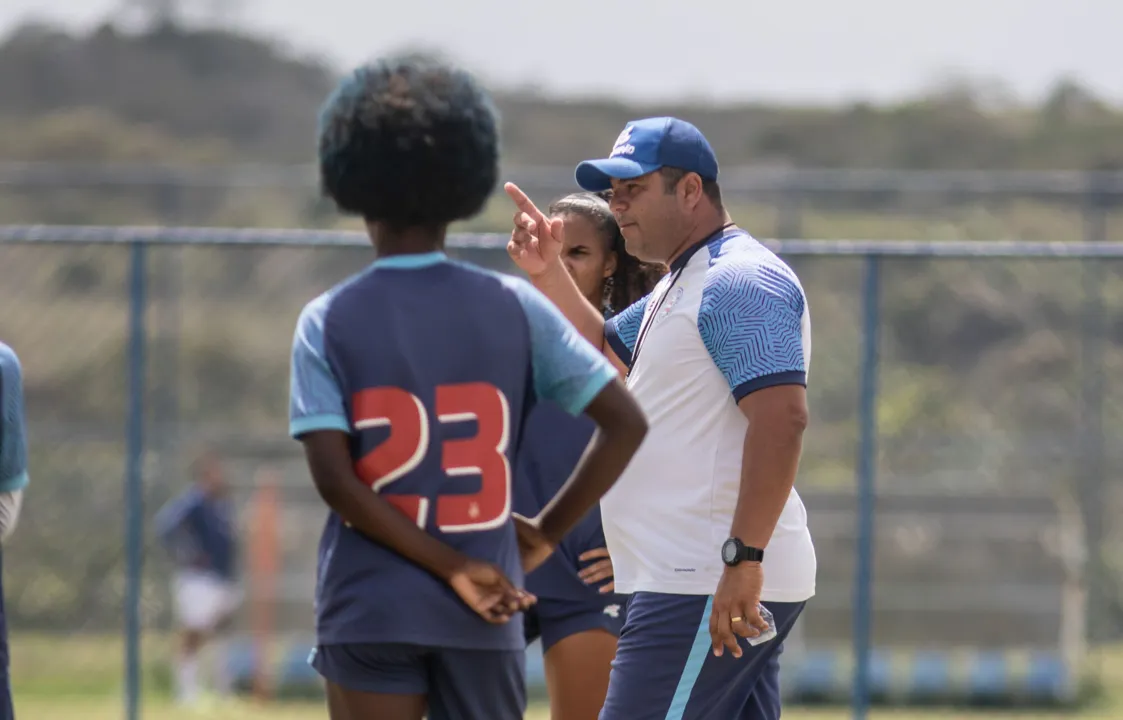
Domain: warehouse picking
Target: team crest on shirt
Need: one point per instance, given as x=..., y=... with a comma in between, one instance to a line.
x=670, y=303
x=622, y=146
x=613, y=611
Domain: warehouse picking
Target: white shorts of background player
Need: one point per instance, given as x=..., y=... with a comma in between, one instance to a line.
x=204, y=600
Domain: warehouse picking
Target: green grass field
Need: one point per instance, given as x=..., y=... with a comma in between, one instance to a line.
x=79, y=678
x=80, y=708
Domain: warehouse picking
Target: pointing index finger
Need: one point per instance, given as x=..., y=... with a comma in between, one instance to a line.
x=523, y=202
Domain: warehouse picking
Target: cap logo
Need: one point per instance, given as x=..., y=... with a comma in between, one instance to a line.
x=622, y=146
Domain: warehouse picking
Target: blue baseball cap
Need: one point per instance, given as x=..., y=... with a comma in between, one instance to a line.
x=647, y=145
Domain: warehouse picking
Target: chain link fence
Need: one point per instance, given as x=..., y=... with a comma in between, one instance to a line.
x=996, y=477
x=777, y=202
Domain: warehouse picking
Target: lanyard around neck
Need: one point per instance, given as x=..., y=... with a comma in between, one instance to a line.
x=651, y=317
x=646, y=327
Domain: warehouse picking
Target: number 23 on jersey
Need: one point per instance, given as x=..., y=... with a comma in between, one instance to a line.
x=483, y=454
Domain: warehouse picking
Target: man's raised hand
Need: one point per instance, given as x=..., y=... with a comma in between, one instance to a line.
x=536, y=241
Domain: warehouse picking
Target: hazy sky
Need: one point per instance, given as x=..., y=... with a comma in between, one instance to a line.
x=818, y=50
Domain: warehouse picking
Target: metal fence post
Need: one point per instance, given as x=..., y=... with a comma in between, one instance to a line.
x=1091, y=441
x=867, y=470
x=134, y=473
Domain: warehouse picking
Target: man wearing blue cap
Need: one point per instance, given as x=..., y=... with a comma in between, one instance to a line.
x=705, y=528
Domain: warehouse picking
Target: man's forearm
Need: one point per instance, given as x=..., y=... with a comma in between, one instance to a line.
x=559, y=288
x=769, y=466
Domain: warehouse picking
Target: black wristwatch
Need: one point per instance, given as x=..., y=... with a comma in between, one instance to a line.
x=734, y=552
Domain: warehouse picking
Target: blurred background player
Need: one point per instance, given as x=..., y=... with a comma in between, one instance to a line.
x=199, y=531
x=13, y=479
x=412, y=379
x=578, y=623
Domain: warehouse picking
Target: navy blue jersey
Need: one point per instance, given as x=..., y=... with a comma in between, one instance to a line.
x=198, y=531
x=431, y=366
x=553, y=443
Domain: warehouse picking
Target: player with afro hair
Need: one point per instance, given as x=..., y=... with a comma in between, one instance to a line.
x=409, y=142
x=410, y=382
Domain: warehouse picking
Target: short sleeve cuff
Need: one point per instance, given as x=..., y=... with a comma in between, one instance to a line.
x=18, y=482
x=312, y=423
x=596, y=382
x=617, y=344
x=790, y=377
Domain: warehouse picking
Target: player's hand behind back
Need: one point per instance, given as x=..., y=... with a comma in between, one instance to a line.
x=484, y=588
x=536, y=241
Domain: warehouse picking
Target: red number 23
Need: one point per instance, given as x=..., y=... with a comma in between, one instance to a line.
x=483, y=454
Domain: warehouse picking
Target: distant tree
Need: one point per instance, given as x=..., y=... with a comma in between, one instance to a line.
x=149, y=14
x=1071, y=102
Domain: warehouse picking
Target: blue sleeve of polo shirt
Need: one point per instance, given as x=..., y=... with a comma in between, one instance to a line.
x=13, y=424
x=567, y=369
x=622, y=329
x=315, y=395
x=751, y=319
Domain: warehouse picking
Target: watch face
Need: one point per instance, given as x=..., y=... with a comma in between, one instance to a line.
x=729, y=552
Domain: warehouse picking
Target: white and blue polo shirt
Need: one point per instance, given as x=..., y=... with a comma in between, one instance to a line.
x=729, y=319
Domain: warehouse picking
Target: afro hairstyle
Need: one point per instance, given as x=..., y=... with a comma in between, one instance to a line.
x=409, y=140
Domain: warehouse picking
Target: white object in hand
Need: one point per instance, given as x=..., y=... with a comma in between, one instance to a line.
x=767, y=634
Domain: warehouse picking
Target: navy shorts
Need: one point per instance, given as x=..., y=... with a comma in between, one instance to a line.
x=555, y=620
x=665, y=667
x=459, y=684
